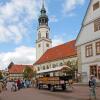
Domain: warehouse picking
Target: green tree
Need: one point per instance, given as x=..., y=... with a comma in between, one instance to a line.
x=74, y=67
x=1, y=76
x=28, y=72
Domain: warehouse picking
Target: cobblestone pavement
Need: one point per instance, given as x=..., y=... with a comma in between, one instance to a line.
x=79, y=93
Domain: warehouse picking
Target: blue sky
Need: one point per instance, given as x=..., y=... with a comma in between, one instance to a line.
x=19, y=22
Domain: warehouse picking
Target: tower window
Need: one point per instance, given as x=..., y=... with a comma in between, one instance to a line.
x=43, y=20
x=47, y=45
x=39, y=35
x=97, y=25
x=96, y=6
x=47, y=35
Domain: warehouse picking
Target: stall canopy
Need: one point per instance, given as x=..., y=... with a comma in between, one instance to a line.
x=59, y=68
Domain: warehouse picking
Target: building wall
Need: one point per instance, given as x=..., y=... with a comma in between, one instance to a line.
x=87, y=30
x=86, y=62
x=15, y=76
x=43, y=30
x=88, y=36
x=55, y=63
x=91, y=15
x=43, y=48
x=42, y=40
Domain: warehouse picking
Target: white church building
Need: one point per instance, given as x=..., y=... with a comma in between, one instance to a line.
x=50, y=58
x=88, y=43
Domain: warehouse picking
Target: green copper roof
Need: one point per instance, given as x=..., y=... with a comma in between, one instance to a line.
x=43, y=12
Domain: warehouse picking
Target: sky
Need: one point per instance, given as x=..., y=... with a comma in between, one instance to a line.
x=19, y=22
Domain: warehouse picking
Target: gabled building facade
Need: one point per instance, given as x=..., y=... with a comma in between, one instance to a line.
x=16, y=71
x=88, y=43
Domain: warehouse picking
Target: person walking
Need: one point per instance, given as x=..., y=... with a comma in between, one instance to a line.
x=13, y=87
x=92, y=86
x=18, y=84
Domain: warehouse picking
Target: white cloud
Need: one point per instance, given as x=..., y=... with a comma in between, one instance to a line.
x=15, y=15
x=57, y=40
x=53, y=19
x=70, y=5
x=21, y=55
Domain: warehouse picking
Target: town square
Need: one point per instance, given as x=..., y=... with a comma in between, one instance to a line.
x=50, y=50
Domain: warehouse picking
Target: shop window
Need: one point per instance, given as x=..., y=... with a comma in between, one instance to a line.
x=93, y=70
x=99, y=72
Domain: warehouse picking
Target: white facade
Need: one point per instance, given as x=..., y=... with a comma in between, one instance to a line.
x=40, y=68
x=43, y=42
x=88, y=36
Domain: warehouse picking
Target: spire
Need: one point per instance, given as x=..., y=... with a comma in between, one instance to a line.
x=42, y=3
x=43, y=10
x=43, y=18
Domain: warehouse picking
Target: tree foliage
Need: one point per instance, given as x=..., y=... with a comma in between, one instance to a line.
x=74, y=67
x=1, y=76
x=28, y=72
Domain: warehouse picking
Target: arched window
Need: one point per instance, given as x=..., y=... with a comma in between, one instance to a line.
x=47, y=36
x=39, y=35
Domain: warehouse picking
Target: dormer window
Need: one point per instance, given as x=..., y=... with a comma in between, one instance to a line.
x=96, y=6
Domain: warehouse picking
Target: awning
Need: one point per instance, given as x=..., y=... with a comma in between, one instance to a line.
x=64, y=67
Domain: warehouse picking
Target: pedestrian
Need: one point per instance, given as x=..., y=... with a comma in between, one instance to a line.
x=70, y=82
x=13, y=87
x=18, y=84
x=1, y=87
x=92, y=87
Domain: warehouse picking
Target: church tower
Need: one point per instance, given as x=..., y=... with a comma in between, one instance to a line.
x=43, y=41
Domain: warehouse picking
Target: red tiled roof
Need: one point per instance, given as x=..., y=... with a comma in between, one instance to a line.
x=62, y=51
x=17, y=69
